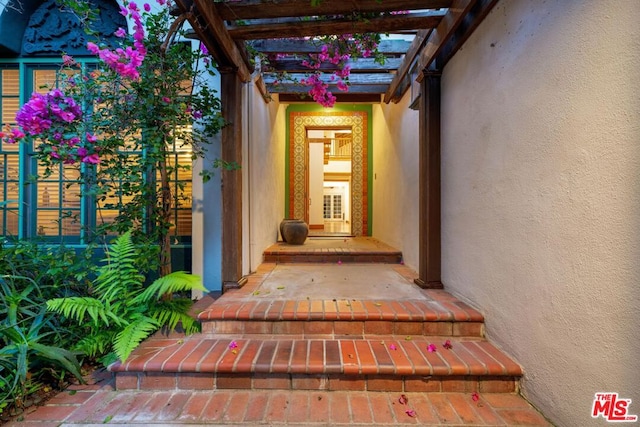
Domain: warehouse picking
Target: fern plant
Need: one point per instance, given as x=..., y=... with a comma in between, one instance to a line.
x=122, y=312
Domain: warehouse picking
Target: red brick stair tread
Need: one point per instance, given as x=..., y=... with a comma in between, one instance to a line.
x=284, y=355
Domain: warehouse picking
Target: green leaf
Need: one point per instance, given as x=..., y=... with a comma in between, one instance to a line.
x=177, y=281
x=129, y=338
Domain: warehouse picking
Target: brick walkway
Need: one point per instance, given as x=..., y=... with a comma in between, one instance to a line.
x=99, y=405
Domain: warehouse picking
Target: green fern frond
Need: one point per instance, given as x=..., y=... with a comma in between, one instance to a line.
x=173, y=312
x=96, y=344
x=129, y=338
x=119, y=277
x=177, y=281
x=76, y=308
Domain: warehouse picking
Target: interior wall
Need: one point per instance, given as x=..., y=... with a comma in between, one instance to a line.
x=540, y=195
x=265, y=175
x=395, y=177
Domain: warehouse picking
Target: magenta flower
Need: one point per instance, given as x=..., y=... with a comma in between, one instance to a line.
x=393, y=347
x=447, y=345
x=68, y=60
x=92, y=158
x=431, y=348
x=410, y=412
x=147, y=7
x=233, y=345
x=166, y=100
x=120, y=32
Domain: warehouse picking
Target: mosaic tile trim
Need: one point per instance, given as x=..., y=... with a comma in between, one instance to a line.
x=299, y=122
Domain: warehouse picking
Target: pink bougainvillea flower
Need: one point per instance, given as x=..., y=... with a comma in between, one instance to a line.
x=410, y=412
x=403, y=399
x=431, y=348
x=120, y=32
x=393, y=347
x=233, y=345
x=475, y=396
x=68, y=60
x=94, y=159
x=147, y=7
x=166, y=100
x=447, y=345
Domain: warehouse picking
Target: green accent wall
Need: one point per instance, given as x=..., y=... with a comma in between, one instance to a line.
x=315, y=108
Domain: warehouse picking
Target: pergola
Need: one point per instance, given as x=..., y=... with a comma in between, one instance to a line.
x=432, y=30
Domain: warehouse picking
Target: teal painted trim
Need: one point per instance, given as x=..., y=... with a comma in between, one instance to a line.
x=22, y=175
x=46, y=60
x=315, y=108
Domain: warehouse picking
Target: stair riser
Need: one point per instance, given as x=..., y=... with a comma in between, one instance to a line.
x=324, y=258
x=335, y=382
x=356, y=329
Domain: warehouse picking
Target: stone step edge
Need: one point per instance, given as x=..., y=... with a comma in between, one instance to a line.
x=337, y=328
x=315, y=356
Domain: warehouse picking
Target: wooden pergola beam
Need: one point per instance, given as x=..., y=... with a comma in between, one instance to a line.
x=356, y=65
x=383, y=24
x=387, y=47
x=405, y=67
x=210, y=29
x=444, y=30
x=252, y=9
x=294, y=88
x=354, y=79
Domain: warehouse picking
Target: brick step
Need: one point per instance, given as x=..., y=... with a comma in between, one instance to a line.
x=441, y=316
x=332, y=257
x=390, y=363
x=334, y=250
x=344, y=328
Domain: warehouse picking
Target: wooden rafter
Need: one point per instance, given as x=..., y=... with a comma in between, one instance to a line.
x=443, y=32
x=405, y=67
x=266, y=9
x=287, y=27
x=360, y=65
x=304, y=28
x=386, y=47
x=212, y=32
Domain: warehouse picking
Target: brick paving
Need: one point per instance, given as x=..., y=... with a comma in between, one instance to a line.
x=82, y=405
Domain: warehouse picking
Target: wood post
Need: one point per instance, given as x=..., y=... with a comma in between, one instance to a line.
x=429, y=275
x=231, y=139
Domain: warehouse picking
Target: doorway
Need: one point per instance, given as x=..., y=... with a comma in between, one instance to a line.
x=356, y=200
x=328, y=177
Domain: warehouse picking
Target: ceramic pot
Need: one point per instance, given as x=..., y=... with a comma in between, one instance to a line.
x=294, y=231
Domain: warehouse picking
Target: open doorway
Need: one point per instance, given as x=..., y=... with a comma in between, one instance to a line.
x=329, y=181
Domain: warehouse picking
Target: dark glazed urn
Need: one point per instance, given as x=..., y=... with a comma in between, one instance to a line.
x=294, y=231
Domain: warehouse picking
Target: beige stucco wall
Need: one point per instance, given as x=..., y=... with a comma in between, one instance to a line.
x=395, y=178
x=541, y=200
x=264, y=175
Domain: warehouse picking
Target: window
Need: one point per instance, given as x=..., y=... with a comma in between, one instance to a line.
x=9, y=154
x=53, y=207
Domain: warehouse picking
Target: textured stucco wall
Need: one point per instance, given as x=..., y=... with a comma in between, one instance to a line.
x=265, y=175
x=395, y=181
x=541, y=203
